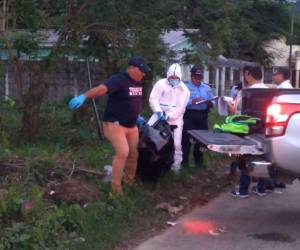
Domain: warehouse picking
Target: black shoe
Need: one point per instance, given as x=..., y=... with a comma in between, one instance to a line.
x=279, y=185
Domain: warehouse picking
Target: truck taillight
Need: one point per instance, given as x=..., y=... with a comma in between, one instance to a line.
x=277, y=118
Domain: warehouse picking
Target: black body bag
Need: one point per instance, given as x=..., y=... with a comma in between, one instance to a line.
x=156, y=150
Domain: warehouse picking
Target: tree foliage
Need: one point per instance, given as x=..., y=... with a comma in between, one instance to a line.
x=113, y=30
x=238, y=28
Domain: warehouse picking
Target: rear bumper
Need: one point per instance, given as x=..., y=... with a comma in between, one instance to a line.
x=278, y=154
x=260, y=168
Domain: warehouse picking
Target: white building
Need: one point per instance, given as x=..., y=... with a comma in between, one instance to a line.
x=281, y=54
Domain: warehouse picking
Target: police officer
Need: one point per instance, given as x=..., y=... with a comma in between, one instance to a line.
x=196, y=114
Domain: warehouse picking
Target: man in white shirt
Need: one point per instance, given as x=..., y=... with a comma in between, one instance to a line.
x=253, y=79
x=281, y=77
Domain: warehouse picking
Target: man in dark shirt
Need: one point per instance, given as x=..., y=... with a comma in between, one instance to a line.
x=123, y=106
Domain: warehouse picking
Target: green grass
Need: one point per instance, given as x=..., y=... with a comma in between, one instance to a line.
x=96, y=155
x=65, y=137
x=214, y=118
x=107, y=221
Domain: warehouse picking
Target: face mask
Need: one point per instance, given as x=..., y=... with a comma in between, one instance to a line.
x=174, y=82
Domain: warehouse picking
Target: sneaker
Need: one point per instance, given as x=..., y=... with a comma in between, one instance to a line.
x=261, y=194
x=278, y=191
x=238, y=195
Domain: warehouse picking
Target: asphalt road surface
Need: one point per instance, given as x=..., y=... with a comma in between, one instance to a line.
x=228, y=223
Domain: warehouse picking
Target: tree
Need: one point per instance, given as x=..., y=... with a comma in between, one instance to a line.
x=238, y=29
x=24, y=21
x=110, y=31
x=113, y=30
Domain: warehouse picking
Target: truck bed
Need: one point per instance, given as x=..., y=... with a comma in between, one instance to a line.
x=254, y=103
x=228, y=143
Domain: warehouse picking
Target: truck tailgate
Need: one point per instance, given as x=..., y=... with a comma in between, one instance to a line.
x=227, y=143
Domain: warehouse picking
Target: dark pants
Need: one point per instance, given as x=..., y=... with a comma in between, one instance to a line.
x=261, y=185
x=193, y=120
x=245, y=182
x=245, y=179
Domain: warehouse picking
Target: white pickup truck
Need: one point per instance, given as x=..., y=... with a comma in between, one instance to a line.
x=275, y=148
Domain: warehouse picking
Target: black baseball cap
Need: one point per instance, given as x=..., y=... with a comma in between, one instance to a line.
x=197, y=71
x=139, y=62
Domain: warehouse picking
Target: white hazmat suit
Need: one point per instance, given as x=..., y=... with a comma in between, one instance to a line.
x=173, y=101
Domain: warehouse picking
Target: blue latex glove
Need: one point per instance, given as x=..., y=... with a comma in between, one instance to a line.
x=161, y=116
x=77, y=101
x=140, y=121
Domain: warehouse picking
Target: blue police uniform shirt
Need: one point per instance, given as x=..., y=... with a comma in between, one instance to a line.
x=203, y=90
x=124, y=100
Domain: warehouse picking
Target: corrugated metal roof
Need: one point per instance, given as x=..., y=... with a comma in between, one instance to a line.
x=234, y=63
x=174, y=37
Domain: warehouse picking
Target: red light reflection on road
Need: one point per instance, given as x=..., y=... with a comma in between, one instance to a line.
x=198, y=227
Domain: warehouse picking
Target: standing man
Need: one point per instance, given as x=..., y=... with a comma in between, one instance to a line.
x=168, y=100
x=253, y=79
x=123, y=107
x=281, y=77
x=196, y=115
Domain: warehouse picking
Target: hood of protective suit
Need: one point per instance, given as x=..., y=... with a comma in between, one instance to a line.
x=174, y=70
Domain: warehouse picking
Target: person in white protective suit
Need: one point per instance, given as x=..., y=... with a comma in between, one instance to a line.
x=168, y=101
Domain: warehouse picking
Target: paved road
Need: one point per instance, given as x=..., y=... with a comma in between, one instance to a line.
x=272, y=222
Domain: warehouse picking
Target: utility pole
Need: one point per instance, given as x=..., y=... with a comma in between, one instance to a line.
x=291, y=32
x=291, y=40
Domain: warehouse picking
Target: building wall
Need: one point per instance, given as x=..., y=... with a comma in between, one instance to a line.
x=281, y=52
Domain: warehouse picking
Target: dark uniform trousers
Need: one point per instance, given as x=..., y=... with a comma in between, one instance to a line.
x=193, y=120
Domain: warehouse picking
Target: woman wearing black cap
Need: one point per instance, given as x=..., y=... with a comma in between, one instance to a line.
x=123, y=107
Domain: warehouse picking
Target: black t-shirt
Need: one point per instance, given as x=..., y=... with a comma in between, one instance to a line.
x=124, y=100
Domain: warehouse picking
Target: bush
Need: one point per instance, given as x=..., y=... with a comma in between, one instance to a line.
x=56, y=122
x=27, y=222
